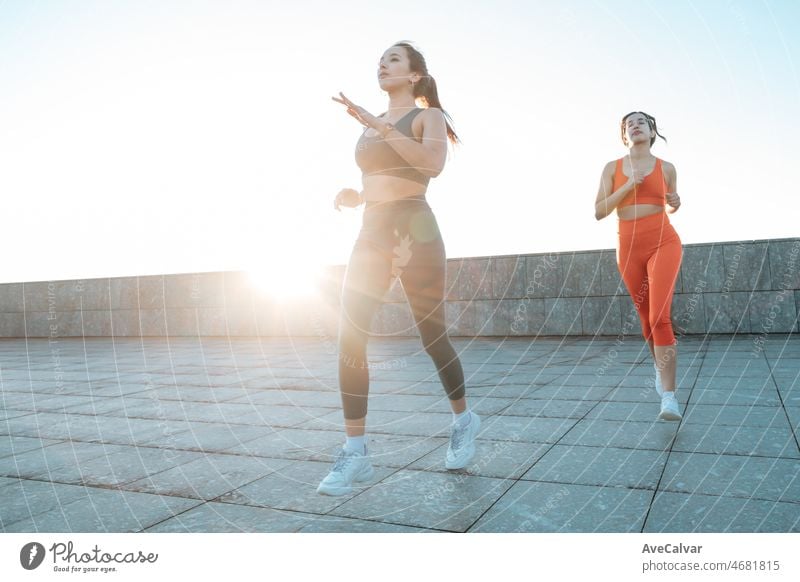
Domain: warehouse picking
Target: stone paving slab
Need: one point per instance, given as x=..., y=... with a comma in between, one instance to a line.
x=104, y=510
x=570, y=393
x=40, y=462
x=641, y=394
x=525, y=428
x=204, y=434
x=7, y=481
x=793, y=412
x=725, y=397
x=79, y=404
x=8, y=414
x=533, y=506
x=787, y=383
x=644, y=411
x=328, y=399
x=547, y=408
x=24, y=400
x=335, y=524
x=657, y=436
x=207, y=477
x=293, y=487
x=768, y=478
x=761, y=382
x=741, y=440
x=400, y=451
x=447, y=502
x=24, y=499
x=509, y=390
x=184, y=393
x=119, y=466
x=278, y=417
x=791, y=398
x=725, y=375
x=733, y=415
x=500, y=459
x=407, y=423
x=603, y=466
x=16, y=445
x=229, y=518
x=214, y=437
x=682, y=512
x=292, y=443
x=149, y=407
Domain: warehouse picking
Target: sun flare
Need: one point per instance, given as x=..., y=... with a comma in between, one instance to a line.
x=285, y=280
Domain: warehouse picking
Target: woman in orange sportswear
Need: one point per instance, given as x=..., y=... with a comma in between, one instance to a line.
x=639, y=186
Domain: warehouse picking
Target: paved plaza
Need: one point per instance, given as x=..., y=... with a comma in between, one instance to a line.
x=233, y=435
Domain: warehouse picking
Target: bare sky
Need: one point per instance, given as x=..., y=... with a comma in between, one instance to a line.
x=164, y=137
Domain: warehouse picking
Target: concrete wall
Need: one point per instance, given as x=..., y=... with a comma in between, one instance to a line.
x=740, y=286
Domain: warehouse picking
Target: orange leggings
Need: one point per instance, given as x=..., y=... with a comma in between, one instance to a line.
x=649, y=257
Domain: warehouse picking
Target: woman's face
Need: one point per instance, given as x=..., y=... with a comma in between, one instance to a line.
x=637, y=130
x=393, y=69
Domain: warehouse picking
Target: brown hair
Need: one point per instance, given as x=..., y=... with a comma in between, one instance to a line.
x=425, y=89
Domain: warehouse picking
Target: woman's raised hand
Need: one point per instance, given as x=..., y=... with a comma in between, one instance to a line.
x=348, y=198
x=361, y=115
x=634, y=180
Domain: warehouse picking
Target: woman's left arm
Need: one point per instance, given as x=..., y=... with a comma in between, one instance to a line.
x=427, y=156
x=672, y=187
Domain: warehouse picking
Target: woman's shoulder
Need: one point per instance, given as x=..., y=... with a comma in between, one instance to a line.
x=667, y=166
x=430, y=113
x=611, y=167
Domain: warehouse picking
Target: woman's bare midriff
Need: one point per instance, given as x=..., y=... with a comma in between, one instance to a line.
x=638, y=211
x=384, y=188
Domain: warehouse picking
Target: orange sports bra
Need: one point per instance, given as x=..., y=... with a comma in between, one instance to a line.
x=652, y=190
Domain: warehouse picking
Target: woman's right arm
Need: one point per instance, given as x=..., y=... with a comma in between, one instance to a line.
x=606, y=202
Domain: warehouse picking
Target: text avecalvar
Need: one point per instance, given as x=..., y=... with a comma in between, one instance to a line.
x=671, y=549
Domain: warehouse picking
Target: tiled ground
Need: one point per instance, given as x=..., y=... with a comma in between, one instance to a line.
x=175, y=434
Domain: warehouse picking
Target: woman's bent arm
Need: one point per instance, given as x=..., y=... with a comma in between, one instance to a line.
x=606, y=202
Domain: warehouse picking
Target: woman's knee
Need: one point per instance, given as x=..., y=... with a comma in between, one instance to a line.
x=663, y=334
x=438, y=345
x=351, y=340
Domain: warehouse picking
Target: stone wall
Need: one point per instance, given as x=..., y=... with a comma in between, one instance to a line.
x=729, y=287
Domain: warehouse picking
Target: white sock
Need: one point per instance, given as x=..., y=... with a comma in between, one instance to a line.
x=668, y=394
x=462, y=419
x=356, y=443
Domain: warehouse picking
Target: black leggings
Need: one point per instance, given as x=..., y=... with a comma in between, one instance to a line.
x=399, y=238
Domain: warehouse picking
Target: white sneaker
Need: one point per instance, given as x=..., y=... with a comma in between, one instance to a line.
x=659, y=387
x=669, y=407
x=349, y=466
x=462, y=443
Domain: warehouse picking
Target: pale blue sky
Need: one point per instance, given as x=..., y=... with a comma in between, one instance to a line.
x=166, y=137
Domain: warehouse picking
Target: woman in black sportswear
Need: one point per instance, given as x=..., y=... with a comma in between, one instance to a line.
x=398, y=153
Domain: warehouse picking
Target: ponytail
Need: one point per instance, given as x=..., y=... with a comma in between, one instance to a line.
x=426, y=88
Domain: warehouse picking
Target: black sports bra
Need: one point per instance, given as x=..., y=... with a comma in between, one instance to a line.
x=376, y=157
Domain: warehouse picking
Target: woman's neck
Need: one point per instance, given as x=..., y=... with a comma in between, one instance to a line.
x=401, y=102
x=640, y=151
